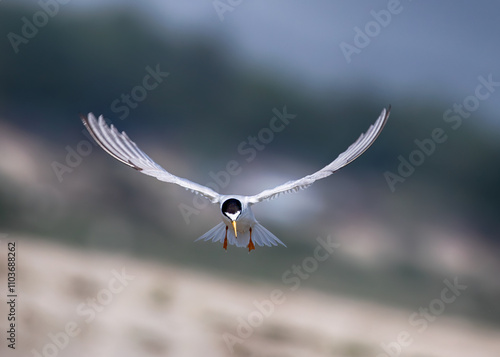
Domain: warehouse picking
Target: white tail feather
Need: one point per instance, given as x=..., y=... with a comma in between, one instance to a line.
x=260, y=236
x=216, y=234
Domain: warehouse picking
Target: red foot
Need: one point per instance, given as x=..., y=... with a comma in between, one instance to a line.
x=225, y=240
x=250, y=245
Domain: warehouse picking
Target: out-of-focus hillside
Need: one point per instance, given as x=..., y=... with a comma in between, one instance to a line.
x=104, y=205
x=114, y=305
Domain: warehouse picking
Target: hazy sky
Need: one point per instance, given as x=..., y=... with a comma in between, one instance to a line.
x=438, y=48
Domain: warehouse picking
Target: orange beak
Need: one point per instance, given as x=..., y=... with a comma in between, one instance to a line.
x=235, y=231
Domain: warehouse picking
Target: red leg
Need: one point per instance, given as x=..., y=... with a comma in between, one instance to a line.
x=250, y=245
x=225, y=240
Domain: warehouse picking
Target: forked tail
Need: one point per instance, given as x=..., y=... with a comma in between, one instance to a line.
x=260, y=236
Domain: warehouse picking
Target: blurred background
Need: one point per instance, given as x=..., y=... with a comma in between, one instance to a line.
x=192, y=83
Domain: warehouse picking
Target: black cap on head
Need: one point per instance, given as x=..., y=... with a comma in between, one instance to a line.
x=231, y=206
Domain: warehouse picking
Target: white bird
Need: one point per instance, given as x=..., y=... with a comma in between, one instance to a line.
x=239, y=226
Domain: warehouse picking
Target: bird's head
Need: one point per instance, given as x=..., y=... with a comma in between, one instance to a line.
x=231, y=208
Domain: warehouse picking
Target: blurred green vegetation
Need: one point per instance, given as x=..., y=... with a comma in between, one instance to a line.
x=82, y=62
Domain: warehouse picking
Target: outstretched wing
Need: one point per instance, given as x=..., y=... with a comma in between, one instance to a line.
x=126, y=151
x=351, y=154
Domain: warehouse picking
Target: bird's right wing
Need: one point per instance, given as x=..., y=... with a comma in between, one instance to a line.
x=126, y=151
x=348, y=156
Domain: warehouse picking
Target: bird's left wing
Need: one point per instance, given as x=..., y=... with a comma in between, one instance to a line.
x=126, y=151
x=348, y=156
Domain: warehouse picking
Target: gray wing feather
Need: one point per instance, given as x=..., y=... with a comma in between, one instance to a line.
x=348, y=156
x=119, y=146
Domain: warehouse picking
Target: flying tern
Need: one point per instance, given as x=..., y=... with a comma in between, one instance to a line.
x=239, y=226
